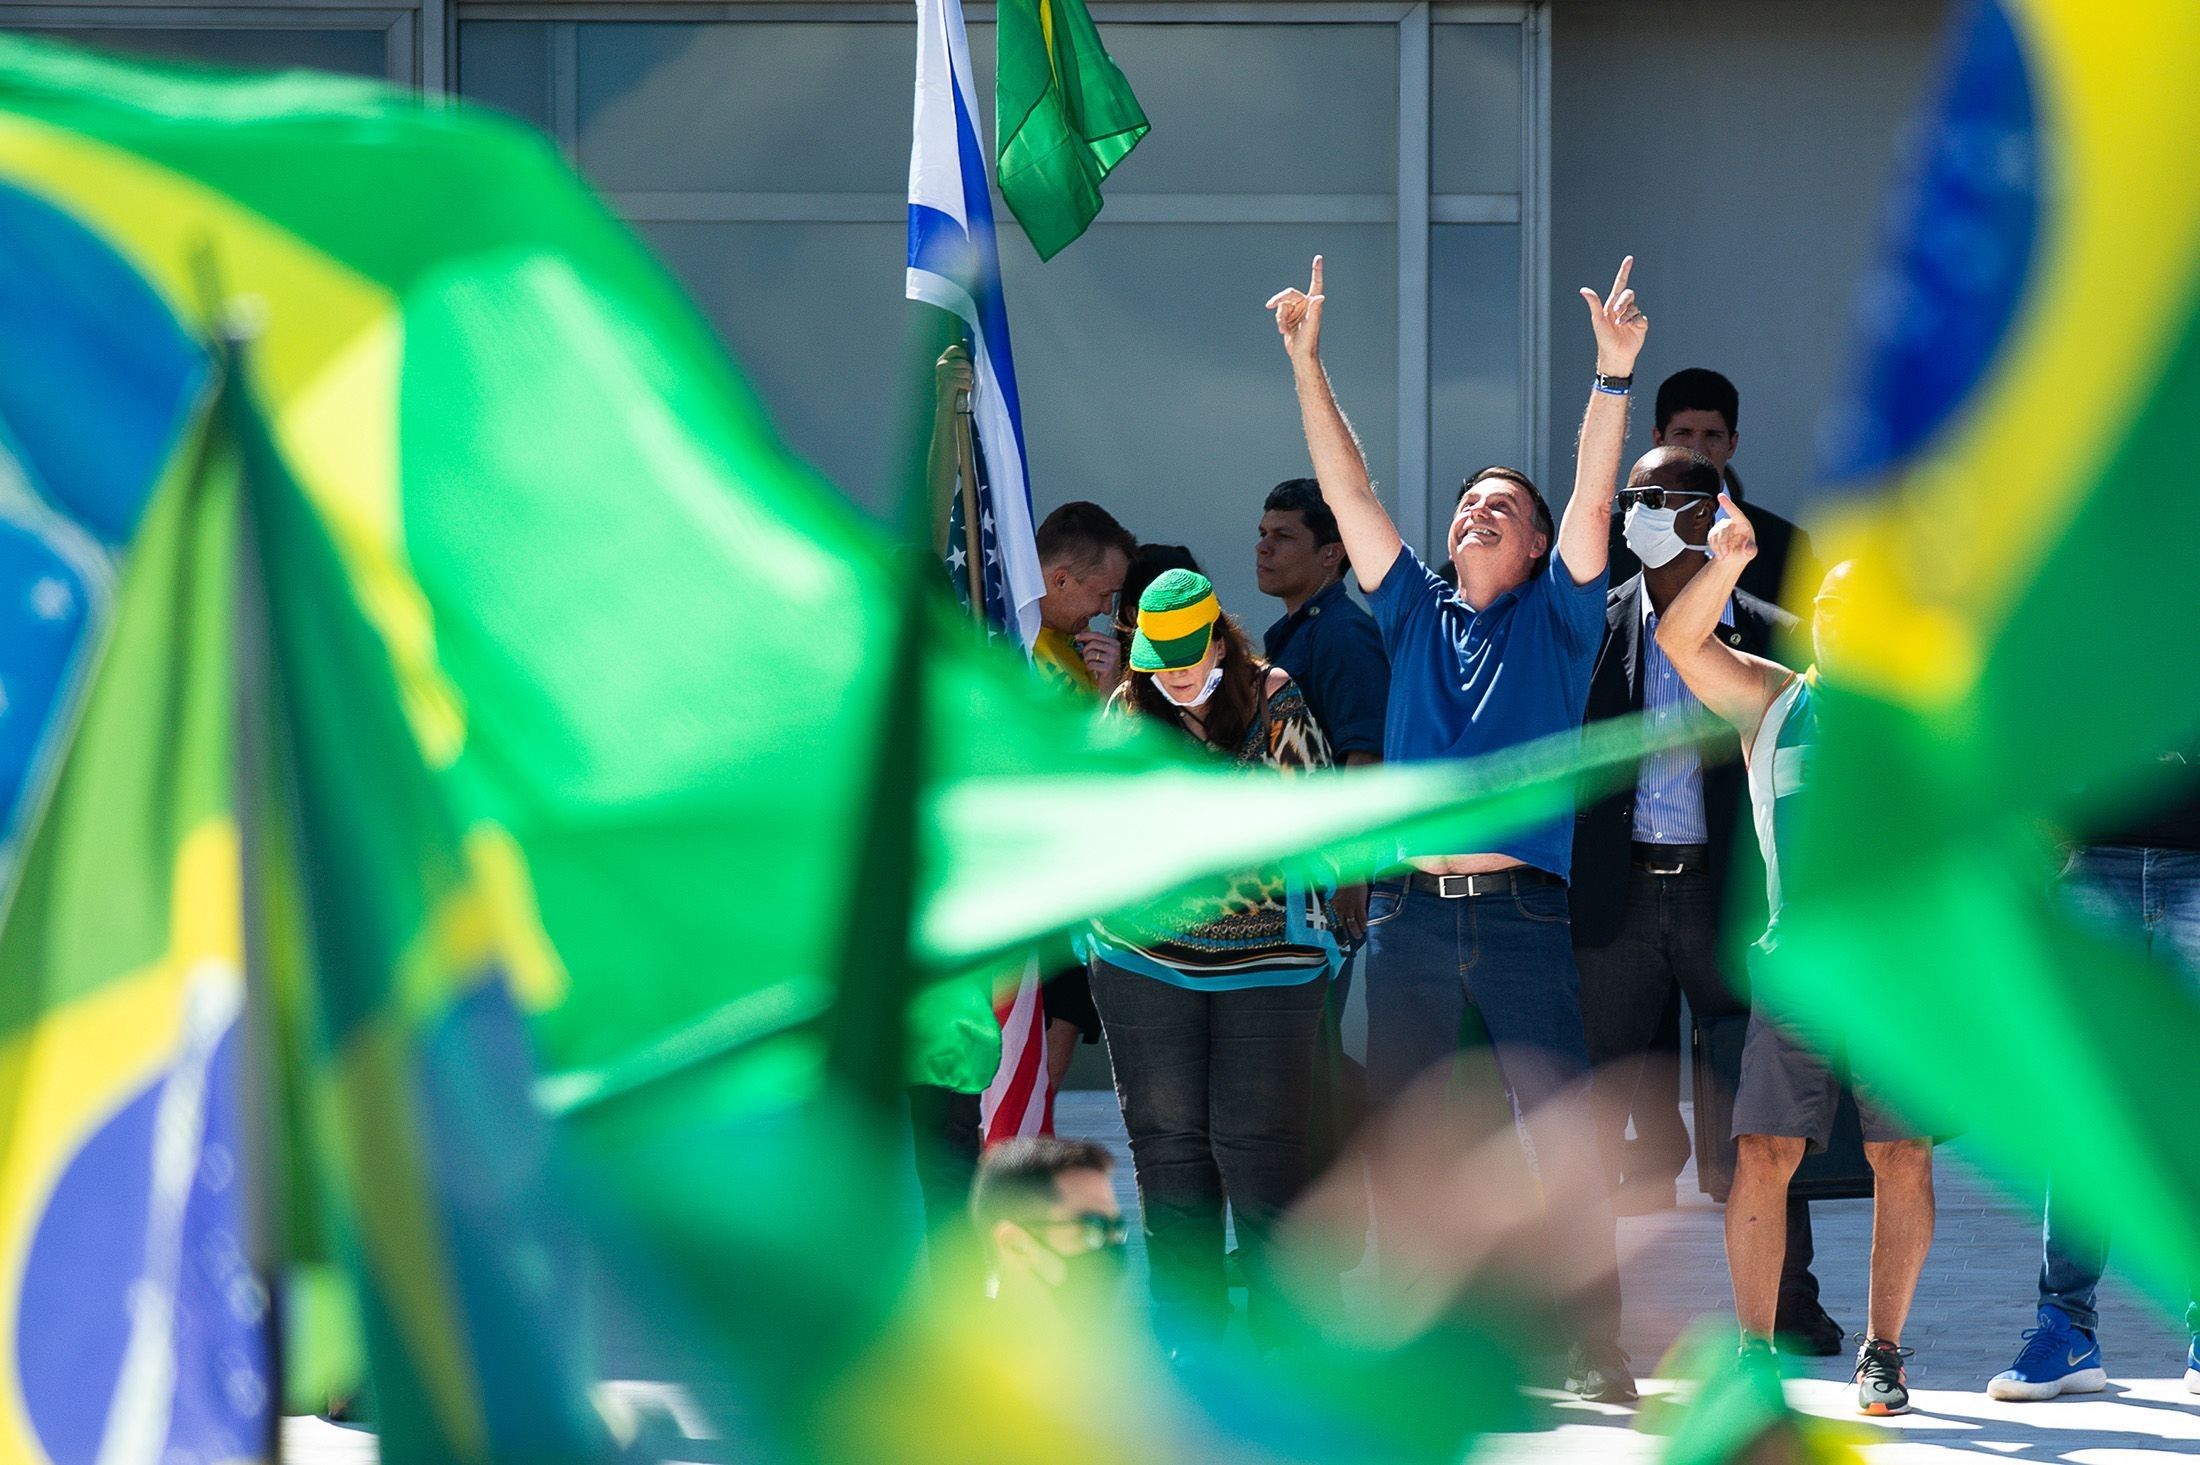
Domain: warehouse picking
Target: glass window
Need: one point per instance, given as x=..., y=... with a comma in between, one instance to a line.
x=1474, y=108
x=1476, y=408
x=1154, y=384
x=735, y=106
x=1288, y=109
x=358, y=52
x=763, y=107
x=506, y=63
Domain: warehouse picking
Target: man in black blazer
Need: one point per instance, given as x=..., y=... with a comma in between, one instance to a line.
x=1658, y=869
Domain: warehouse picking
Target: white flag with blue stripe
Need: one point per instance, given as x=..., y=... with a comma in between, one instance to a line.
x=954, y=264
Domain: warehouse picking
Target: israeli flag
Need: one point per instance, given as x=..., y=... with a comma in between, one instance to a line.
x=955, y=265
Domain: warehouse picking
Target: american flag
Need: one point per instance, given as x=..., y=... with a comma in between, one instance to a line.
x=954, y=263
x=998, y=611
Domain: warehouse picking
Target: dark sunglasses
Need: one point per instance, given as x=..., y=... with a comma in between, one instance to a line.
x=1664, y=498
x=1097, y=1230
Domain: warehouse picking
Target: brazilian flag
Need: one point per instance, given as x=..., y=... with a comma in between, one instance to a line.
x=2014, y=661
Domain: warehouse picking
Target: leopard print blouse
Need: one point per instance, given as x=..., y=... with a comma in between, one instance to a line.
x=1258, y=928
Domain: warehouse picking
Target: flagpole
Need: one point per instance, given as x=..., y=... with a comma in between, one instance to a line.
x=268, y=1244
x=966, y=468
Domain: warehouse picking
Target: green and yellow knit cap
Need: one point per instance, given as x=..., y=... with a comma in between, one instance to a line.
x=1176, y=620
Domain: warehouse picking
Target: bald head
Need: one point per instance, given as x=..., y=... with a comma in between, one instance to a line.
x=1829, y=612
x=1682, y=469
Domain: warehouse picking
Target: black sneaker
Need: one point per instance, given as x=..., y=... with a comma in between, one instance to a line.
x=1882, y=1386
x=1598, y=1372
x=1803, y=1327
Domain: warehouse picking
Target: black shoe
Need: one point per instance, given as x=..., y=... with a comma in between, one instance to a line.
x=1803, y=1327
x=1598, y=1372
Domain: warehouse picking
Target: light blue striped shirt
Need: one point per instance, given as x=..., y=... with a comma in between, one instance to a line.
x=1669, y=786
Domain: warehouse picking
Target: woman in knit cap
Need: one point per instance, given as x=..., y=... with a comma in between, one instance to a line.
x=1212, y=1006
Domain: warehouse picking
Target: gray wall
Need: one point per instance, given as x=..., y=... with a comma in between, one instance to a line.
x=1740, y=150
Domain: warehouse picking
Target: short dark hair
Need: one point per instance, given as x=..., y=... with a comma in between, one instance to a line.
x=1698, y=389
x=1545, y=525
x=1016, y=1178
x=1303, y=496
x=1080, y=534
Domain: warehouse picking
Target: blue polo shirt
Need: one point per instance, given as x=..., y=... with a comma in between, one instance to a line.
x=1333, y=651
x=1464, y=683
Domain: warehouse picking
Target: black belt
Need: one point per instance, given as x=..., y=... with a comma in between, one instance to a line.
x=1493, y=882
x=1672, y=859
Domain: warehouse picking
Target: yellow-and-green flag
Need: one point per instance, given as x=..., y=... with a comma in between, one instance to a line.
x=1063, y=117
x=2014, y=662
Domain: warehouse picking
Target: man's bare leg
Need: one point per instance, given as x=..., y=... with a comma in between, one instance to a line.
x=1902, y=1230
x=1756, y=1226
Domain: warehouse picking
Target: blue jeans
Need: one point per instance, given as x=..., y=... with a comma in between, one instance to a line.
x=2151, y=898
x=1511, y=957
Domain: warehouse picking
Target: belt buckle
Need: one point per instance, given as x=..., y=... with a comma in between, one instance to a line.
x=1468, y=888
x=1680, y=867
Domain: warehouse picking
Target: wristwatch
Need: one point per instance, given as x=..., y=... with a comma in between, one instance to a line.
x=1617, y=385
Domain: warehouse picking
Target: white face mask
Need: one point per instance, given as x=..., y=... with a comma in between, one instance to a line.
x=1214, y=680
x=1651, y=535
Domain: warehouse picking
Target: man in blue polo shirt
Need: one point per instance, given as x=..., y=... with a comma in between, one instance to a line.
x=1502, y=660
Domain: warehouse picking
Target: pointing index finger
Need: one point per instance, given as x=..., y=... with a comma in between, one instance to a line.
x=1619, y=281
x=1316, y=287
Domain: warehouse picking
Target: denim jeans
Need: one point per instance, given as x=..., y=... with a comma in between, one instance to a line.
x=1217, y=1092
x=1511, y=957
x=2150, y=898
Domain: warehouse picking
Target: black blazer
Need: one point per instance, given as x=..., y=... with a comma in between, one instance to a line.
x=1603, y=831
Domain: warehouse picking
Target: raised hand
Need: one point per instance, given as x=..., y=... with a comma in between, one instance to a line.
x=954, y=374
x=1299, y=317
x=1733, y=537
x=1619, y=323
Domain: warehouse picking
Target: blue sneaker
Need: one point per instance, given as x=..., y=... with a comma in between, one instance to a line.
x=2058, y=1358
x=2192, y=1366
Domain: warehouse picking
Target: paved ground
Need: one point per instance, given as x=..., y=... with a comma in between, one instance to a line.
x=1976, y=1296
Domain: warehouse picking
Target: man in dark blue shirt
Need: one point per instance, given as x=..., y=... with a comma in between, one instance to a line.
x=1502, y=660
x=1328, y=644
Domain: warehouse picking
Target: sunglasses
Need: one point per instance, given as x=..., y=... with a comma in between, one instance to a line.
x=1096, y=1229
x=1664, y=498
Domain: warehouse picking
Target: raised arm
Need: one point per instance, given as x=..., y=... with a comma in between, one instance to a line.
x=1584, y=531
x=1736, y=686
x=1370, y=539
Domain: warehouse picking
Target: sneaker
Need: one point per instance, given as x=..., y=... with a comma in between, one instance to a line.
x=2192, y=1366
x=1881, y=1385
x=1598, y=1372
x=2058, y=1357
x=1803, y=1326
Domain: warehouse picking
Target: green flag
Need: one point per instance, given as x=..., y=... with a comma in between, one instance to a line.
x=1064, y=117
x=1975, y=702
